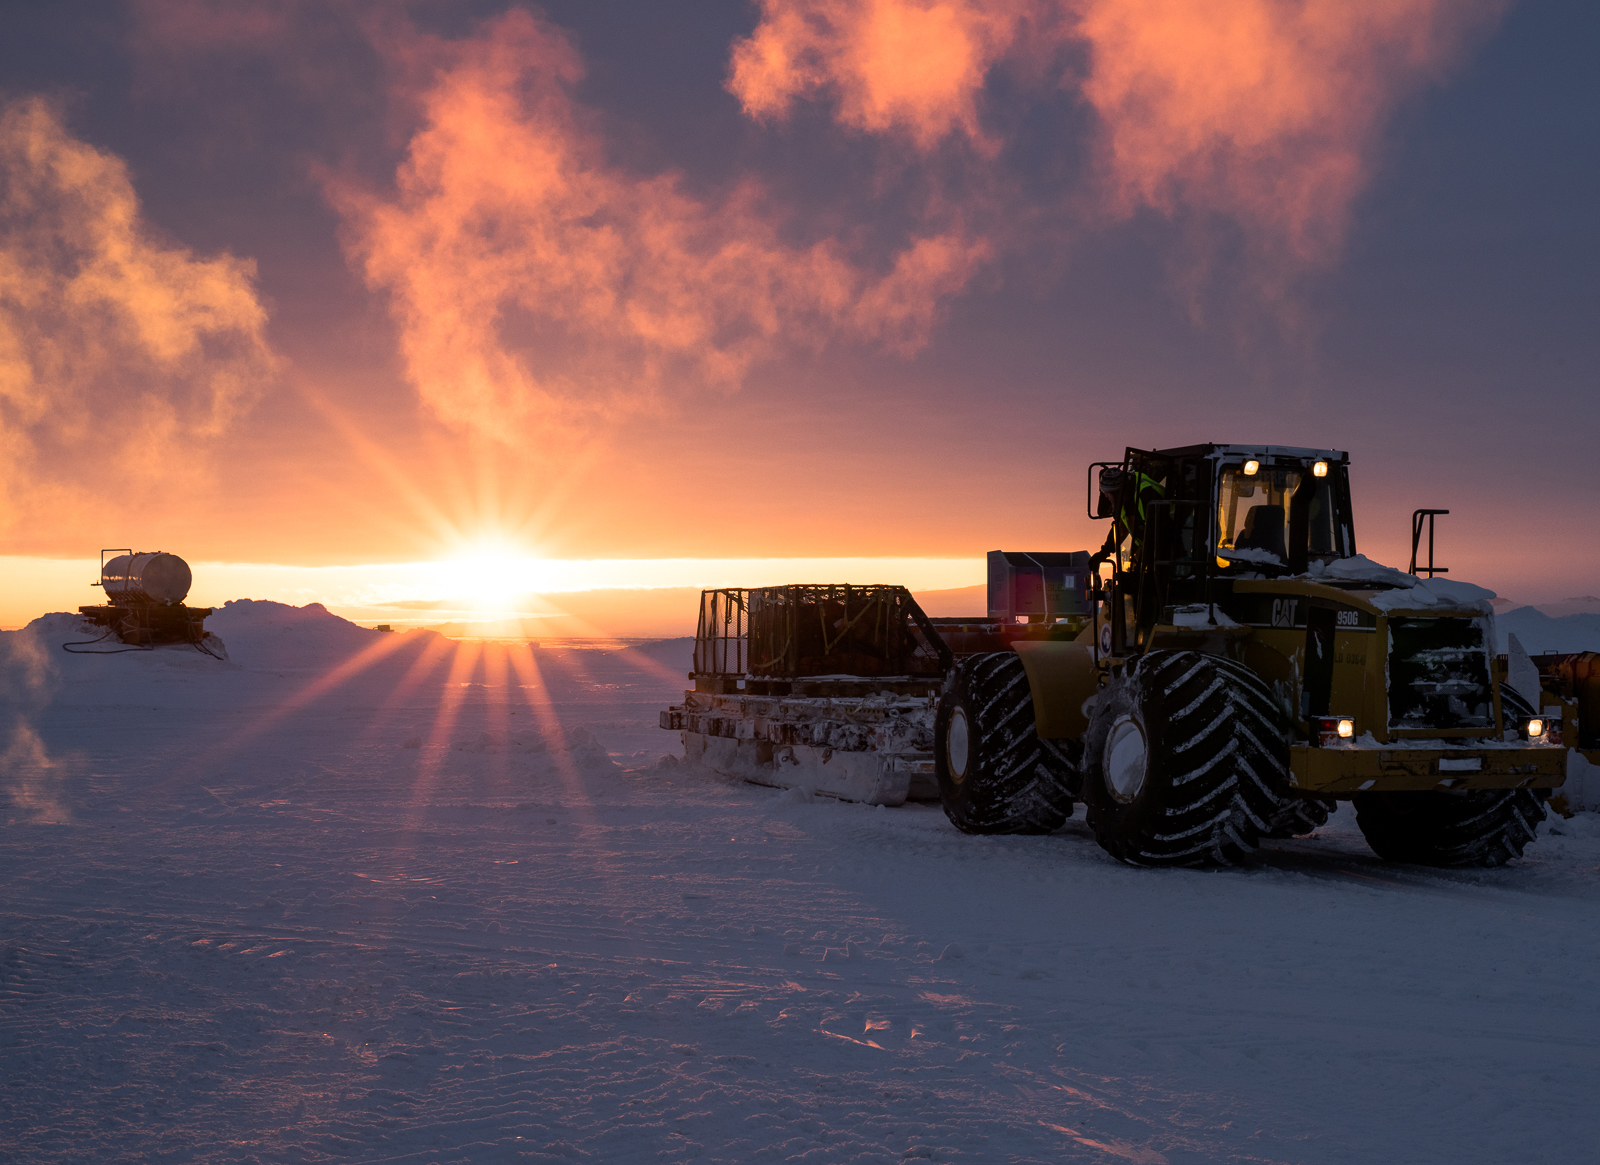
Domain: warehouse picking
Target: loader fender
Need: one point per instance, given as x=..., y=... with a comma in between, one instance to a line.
x=1061, y=676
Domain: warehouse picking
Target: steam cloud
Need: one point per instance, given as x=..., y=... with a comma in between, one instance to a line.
x=536, y=284
x=118, y=352
x=1265, y=112
x=894, y=65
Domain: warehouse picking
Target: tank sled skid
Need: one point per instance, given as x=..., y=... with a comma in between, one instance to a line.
x=150, y=626
x=875, y=745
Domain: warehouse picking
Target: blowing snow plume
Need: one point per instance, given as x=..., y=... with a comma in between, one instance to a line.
x=1264, y=113
x=119, y=353
x=538, y=286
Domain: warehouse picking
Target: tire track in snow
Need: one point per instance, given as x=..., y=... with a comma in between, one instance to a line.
x=288, y=955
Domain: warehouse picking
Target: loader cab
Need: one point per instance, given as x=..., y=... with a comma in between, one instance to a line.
x=1281, y=512
x=1186, y=522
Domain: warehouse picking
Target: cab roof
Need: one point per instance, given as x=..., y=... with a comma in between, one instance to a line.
x=1268, y=453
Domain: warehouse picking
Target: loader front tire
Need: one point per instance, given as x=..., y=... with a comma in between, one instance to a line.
x=1184, y=762
x=1476, y=827
x=995, y=773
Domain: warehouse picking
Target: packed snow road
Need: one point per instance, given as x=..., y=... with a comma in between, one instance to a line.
x=389, y=898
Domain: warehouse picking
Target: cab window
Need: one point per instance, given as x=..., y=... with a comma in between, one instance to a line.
x=1253, y=517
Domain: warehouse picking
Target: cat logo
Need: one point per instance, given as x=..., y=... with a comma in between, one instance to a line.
x=1283, y=612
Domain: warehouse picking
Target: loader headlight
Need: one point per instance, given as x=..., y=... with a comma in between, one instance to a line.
x=1319, y=469
x=1533, y=728
x=1251, y=468
x=1332, y=729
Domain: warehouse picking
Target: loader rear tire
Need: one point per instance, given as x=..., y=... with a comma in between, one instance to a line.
x=995, y=773
x=1184, y=762
x=1476, y=827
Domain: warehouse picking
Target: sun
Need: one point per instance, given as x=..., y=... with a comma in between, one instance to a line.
x=489, y=576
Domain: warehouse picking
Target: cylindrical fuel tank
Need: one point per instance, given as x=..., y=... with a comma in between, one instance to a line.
x=146, y=578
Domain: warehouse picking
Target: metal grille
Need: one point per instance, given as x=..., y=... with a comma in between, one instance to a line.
x=1439, y=674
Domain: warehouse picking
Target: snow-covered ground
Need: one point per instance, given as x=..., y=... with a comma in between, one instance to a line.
x=353, y=896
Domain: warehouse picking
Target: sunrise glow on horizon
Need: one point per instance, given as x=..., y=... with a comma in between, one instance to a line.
x=493, y=585
x=516, y=301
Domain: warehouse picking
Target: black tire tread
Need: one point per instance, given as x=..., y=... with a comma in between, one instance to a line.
x=1228, y=761
x=1016, y=781
x=1479, y=827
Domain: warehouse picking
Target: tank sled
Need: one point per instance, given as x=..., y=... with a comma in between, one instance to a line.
x=144, y=605
x=835, y=688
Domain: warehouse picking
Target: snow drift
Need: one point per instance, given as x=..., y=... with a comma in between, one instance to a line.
x=388, y=897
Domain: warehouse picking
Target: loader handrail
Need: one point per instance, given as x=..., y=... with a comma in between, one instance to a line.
x=1416, y=537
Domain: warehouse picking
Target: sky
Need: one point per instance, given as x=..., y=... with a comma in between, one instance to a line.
x=310, y=285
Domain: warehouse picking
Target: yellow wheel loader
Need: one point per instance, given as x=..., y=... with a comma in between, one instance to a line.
x=1243, y=669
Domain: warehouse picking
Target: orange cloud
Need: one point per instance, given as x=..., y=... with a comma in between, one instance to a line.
x=120, y=354
x=1266, y=112
x=538, y=285
x=909, y=66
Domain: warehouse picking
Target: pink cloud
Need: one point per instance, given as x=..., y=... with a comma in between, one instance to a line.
x=121, y=354
x=1264, y=112
x=538, y=286
x=891, y=65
